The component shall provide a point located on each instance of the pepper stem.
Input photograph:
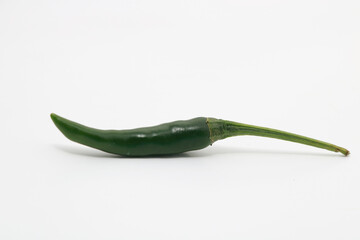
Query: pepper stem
(220, 129)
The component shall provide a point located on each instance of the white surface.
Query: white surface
(291, 65)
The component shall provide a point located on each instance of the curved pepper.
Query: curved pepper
(174, 137)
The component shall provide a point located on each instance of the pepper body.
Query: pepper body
(168, 138)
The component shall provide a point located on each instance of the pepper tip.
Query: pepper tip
(54, 117)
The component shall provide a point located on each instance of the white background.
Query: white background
(291, 65)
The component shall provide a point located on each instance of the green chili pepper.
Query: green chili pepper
(174, 137)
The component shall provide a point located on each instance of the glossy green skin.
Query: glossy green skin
(168, 138)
